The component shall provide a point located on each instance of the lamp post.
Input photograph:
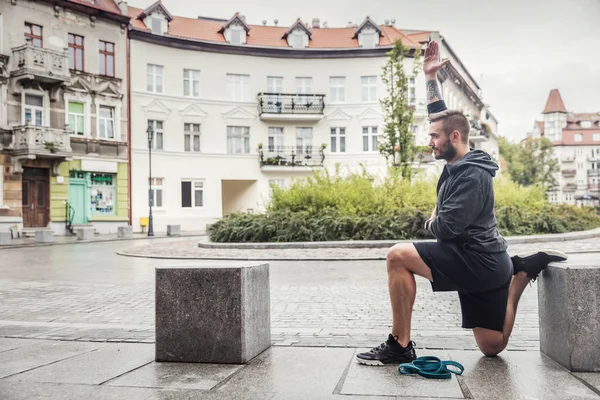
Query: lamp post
(150, 134)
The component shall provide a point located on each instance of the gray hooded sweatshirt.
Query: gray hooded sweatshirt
(465, 205)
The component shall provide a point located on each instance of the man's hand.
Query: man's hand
(431, 62)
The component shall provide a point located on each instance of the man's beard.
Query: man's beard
(446, 152)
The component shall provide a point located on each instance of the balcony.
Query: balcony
(290, 107)
(593, 158)
(567, 159)
(296, 158)
(477, 136)
(593, 172)
(570, 187)
(32, 141)
(569, 172)
(43, 65)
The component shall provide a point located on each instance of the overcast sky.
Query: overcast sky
(517, 50)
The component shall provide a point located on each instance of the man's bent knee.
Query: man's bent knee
(397, 256)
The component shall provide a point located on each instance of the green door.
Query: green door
(77, 200)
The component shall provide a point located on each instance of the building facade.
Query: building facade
(63, 91)
(236, 108)
(576, 146)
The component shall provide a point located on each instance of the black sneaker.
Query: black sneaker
(388, 352)
(536, 262)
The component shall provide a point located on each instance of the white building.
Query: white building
(576, 145)
(238, 107)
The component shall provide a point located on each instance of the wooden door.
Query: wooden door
(35, 197)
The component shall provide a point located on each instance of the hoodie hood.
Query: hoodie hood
(477, 158)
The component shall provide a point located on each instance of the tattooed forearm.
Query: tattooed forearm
(433, 92)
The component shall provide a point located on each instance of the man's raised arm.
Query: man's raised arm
(431, 65)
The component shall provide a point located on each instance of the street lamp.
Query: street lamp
(150, 134)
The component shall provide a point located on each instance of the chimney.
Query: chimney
(264, 22)
(325, 24)
(275, 21)
(316, 23)
(387, 21)
(123, 6)
(393, 21)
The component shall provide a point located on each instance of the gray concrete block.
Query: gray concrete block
(217, 314)
(125, 232)
(5, 238)
(569, 313)
(44, 236)
(173, 230)
(86, 233)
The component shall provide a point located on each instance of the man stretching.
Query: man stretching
(469, 256)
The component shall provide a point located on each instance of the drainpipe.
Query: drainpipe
(128, 129)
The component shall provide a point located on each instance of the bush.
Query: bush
(360, 206)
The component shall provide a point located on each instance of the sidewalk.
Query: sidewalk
(32, 369)
(72, 239)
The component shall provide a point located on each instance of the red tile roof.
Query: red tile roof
(103, 5)
(272, 36)
(554, 103)
(568, 138)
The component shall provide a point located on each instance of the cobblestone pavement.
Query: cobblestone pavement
(87, 292)
(188, 249)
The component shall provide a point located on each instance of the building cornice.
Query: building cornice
(91, 11)
(258, 51)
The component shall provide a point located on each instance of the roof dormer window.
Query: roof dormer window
(235, 30)
(156, 18)
(298, 35)
(157, 24)
(586, 124)
(368, 34)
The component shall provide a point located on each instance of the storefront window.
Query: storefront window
(102, 193)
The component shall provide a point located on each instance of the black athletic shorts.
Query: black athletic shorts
(481, 280)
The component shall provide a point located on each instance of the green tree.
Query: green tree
(397, 142)
(530, 162)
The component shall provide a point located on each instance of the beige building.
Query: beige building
(63, 90)
(576, 145)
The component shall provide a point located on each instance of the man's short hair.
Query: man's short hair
(453, 120)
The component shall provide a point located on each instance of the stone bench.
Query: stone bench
(84, 233)
(5, 238)
(215, 315)
(173, 230)
(125, 232)
(44, 236)
(569, 312)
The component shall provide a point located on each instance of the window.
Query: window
(338, 140)
(579, 137)
(156, 192)
(274, 84)
(106, 123)
(33, 34)
(368, 39)
(369, 88)
(191, 137)
(238, 139)
(102, 193)
(157, 25)
(370, 138)
(304, 140)
(303, 86)
(34, 110)
(192, 194)
(411, 91)
(157, 127)
(238, 87)
(275, 140)
(107, 58)
(77, 118)
(75, 52)
(154, 78)
(235, 36)
(596, 137)
(337, 87)
(296, 39)
(191, 82)
(586, 124)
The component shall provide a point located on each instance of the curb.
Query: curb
(376, 244)
(61, 243)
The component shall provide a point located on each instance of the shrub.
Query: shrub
(360, 206)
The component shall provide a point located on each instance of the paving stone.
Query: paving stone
(32, 390)
(591, 378)
(10, 344)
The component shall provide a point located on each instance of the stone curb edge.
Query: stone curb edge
(374, 244)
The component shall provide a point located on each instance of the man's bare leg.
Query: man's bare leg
(403, 261)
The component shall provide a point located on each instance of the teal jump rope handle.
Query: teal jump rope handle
(432, 368)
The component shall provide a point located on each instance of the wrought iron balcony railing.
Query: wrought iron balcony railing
(295, 156)
(569, 172)
(299, 104)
